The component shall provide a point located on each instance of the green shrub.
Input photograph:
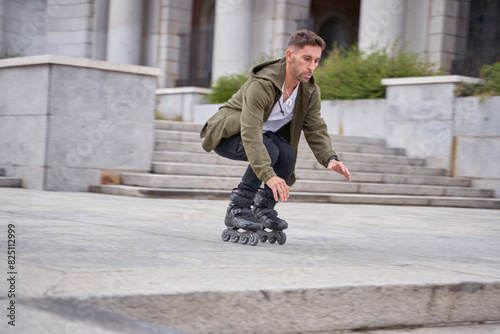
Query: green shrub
(9, 55)
(346, 74)
(491, 76)
(354, 74)
(225, 86)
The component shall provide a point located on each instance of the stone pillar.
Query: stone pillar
(477, 141)
(381, 22)
(68, 123)
(151, 33)
(420, 116)
(448, 30)
(69, 31)
(232, 37)
(100, 33)
(2, 50)
(289, 16)
(125, 31)
(175, 36)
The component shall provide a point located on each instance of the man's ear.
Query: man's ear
(288, 55)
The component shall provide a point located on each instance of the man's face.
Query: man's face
(304, 61)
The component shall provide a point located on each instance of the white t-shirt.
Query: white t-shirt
(282, 112)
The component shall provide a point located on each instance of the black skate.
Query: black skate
(239, 217)
(264, 212)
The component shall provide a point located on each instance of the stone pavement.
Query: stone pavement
(93, 263)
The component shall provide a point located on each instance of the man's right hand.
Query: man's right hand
(279, 187)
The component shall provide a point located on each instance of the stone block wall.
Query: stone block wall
(477, 141)
(420, 117)
(178, 103)
(41, 27)
(66, 123)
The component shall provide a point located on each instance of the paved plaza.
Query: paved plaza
(93, 263)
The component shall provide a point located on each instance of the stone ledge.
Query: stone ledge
(79, 62)
(438, 79)
(309, 309)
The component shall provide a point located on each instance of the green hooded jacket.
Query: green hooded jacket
(251, 106)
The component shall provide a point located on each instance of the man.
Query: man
(262, 124)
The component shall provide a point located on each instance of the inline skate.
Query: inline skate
(239, 217)
(265, 214)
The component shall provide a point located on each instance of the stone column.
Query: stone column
(151, 33)
(290, 16)
(100, 34)
(125, 31)
(448, 30)
(174, 39)
(232, 37)
(2, 51)
(381, 22)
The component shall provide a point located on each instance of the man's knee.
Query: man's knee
(274, 153)
(287, 154)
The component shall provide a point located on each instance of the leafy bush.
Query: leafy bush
(347, 74)
(491, 76)
(9, 55)
(225, 86)
(354, 74)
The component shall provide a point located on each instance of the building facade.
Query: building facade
(196, 41)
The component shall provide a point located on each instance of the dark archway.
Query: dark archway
(336, 22)
(202, 43)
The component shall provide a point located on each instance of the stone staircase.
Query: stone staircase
(9, 182)
(380, 174)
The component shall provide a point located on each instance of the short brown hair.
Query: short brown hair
(305, 37)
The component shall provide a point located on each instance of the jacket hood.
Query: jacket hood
(274, 71)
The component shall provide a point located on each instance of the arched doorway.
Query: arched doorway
(336, 22)
(202, 43)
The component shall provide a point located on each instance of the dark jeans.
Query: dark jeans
(279, 150)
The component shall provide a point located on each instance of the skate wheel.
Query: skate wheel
(254, 239)
(272, 240)
(235, 238)
(224, 236)
(263, 238)
(244, 240)
(281, 238)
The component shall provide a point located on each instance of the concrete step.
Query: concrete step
(346, 157)
(308, 174)
(10, 182)
(468, 328)
(227, 183)
(194, 136)
(373, 159)
(178, 126)
(377, 199)
(184, 146)
(369, 167)
(381, 175)
(358, 148)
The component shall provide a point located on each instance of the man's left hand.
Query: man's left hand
(339, 168)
